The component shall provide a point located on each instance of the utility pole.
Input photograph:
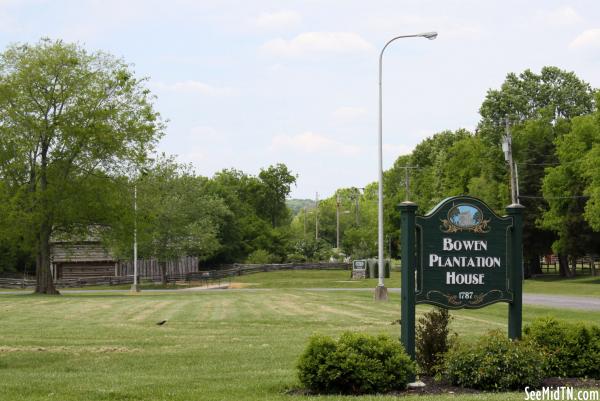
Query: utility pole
(356, 196)
(508, 157)
(356, 209)
(337, 221)
(317, 216)
(517, 181)
(304, 221)
(407, 181)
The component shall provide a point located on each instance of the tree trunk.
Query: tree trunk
(535, 266)
(563, 266)
(163, 272)
(44, 280)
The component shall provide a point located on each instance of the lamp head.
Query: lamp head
(429, 35)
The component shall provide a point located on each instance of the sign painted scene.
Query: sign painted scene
(462, 255)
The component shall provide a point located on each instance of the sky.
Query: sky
(247, 84)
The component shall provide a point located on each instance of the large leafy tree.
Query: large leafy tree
(555, 92)
(567, 187)
(70, 120)
(276, 186)
(538, 108)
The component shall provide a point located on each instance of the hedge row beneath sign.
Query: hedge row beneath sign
(494, 363)
(570, 349)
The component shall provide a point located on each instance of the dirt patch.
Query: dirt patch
(243, 285)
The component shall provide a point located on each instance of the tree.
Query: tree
(429, 185)
(526, 96)
(69, 121)
(276, 186)
(259, 218)
(539, 108)
(566, 188)
(591, 172)
(240, 192)
(175, 215)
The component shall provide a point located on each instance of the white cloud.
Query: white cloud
(194, 87)
(309, 142)
(278, 20)
(588, 38)
(412, 23)
(565, 15)
(349, 114)
(396, 150)
(317, 42)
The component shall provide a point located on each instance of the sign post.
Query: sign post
(407, 305)
(463, 256)
(515, 308)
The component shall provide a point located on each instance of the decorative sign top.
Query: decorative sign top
(462, 255)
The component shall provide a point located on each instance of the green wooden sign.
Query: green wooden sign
(460, 255)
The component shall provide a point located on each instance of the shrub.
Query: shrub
(260, 256)
(295, 258)
(355, 364)
(495, 363)
(571, 349)
(432, 340)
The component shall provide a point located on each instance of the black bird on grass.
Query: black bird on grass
(161, 322)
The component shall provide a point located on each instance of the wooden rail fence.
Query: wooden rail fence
(204, 277)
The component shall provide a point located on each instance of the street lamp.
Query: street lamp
(135, 286)
(380, 290)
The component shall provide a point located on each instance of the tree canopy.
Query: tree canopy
(78, 134)
(69, 121)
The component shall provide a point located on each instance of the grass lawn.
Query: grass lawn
(310, 279)
(216, 345)
(578, 286)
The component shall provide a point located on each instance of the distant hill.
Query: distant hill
(296, 205)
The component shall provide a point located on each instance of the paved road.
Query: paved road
(554, 301)
(562, 301)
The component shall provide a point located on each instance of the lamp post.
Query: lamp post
(135, 286)
(380, 290)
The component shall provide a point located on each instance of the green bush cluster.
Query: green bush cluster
(495, 363)
(570, 349)
(354, 364)
(432, 339)
(261, 256)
